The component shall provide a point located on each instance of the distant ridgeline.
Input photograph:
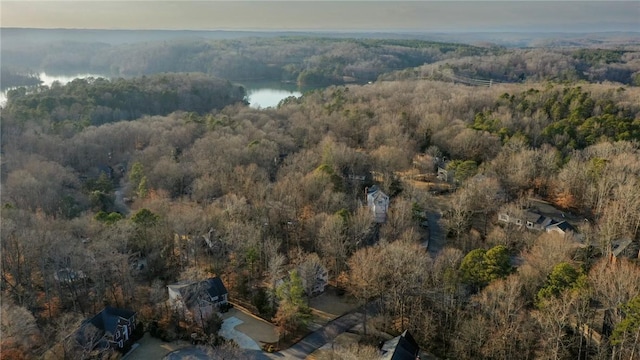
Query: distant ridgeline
(313, 61)
(537, 64)
(90, 101)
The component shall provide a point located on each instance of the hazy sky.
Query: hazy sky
(568, 16)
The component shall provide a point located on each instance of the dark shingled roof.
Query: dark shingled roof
(216, 287)
(107, 319)
(191, 292)
(91, 332)
(403, 347)
(373, 189)
(564, 226)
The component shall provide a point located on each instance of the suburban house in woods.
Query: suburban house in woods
(378, 202)
(561, 227)
(446, 175)
(68, 275)
(111, 327)
(403, 347)
(199, 298)
(537, 222)
(320, 280)
(624, 248)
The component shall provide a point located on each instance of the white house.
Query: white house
(378, 202)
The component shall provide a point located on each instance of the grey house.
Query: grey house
(537, 222)
(200, 299)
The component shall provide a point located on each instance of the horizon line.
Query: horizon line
(348, 30)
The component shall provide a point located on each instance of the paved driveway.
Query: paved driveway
(190, 353)
(437, 238)
(195, 353)
(229, 332)
(316, 339)
(152, 348)
(300, 350)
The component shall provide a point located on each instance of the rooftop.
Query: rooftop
(403, 347)
(107, 319)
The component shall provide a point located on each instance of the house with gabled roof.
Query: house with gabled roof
(378, 203)
(68, 275)
(110, 328)
(403, 347)
(561, 227)
(624, 247)
(200, 299)
(535, 221)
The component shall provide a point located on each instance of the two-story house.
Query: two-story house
(111, 327)
(199, 299)
(378, 203)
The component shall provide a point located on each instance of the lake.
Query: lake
(265, 94)
(261, 95)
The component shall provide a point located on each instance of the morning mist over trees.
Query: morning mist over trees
(426, 179)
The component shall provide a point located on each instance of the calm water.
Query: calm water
(259, 94)
(263, 95)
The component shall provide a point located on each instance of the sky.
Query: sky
(363, 15)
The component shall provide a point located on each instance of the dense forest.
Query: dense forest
(327, 61)
(97, 172)
(538, 64)
(316, 61)
(85, 102)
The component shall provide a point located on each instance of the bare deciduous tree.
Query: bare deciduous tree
(554, 318)
(20, 333)
(365, 276)
(333, 243)
(313, 274)
(547, 251)
(275, 267)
